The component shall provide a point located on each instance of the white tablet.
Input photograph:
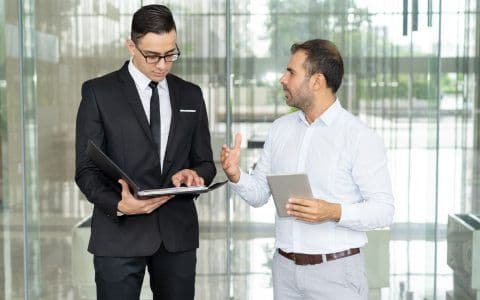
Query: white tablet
(287, 186)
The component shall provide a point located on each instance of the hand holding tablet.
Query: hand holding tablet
(284, 187)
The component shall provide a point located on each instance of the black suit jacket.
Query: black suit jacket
(111, 114)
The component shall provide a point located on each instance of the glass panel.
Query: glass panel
(201, 37)
(65, 43)
(12, 277)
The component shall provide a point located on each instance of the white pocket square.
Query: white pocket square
(188, 110)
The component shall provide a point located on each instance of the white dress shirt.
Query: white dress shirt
(145, 93)
(345, 162)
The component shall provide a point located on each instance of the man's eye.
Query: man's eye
(152, 56)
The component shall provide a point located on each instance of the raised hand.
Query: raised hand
(230, 159)
(130, 205)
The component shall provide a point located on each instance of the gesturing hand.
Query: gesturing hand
(230, 159)
(130, 205)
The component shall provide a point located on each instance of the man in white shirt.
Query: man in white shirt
(318, 248)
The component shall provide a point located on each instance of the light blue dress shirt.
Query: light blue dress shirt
(345, 162)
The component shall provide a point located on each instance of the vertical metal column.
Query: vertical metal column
(437, 147)
(476, 118)
(26, 286)
(228, 135)
(29, 147)
(4, 180)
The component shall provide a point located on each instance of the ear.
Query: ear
(130, 47)
(318, 81)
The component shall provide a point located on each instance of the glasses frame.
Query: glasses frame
(158, 58)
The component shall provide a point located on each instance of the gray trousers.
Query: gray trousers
(344, 278)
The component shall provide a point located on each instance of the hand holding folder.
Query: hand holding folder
(113, 171)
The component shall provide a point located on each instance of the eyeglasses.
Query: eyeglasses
(154, 59)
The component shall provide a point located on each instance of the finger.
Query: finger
(301, 216)
(202, 182)
(125, 189)
(158, 199)
(198, 181)
(189, 179)
(298, 208)
(238, 141)
(299, 201)
(150, 208)
(164, 200)
(155, 203)
(176, 181)
(167, 197)
(152, 201)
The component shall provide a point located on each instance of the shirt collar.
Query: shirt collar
(332, 113)
(141, 80)
(328, 116)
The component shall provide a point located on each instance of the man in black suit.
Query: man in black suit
(154, 126)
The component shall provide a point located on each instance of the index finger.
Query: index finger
(299, 201)
(158, 199)
(238, 141)
(190, 178)
(198, 181)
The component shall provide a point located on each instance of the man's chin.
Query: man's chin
(291, 104)
(158, 77)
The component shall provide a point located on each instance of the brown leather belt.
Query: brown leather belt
(313, 259)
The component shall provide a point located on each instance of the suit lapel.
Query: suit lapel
(172, 142)
(133, 99)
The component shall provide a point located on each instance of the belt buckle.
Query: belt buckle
(324, 258)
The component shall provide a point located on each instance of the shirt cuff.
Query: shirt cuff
(348, 216)
(119, 213)
(241, 179)
(241, 184)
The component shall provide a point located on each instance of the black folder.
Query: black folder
(112, 170)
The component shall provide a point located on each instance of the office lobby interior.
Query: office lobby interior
(412, 73)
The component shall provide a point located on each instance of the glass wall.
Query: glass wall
(411, 74)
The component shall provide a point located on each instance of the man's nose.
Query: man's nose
(161, 63)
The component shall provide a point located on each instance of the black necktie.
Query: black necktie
(155, 114)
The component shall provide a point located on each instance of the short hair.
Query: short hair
(322, 57)
(151, 18)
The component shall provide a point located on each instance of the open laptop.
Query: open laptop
(112, 170)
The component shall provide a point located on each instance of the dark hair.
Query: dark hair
(322, 57)
(151, 18)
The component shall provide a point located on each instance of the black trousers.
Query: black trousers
(172, 275)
